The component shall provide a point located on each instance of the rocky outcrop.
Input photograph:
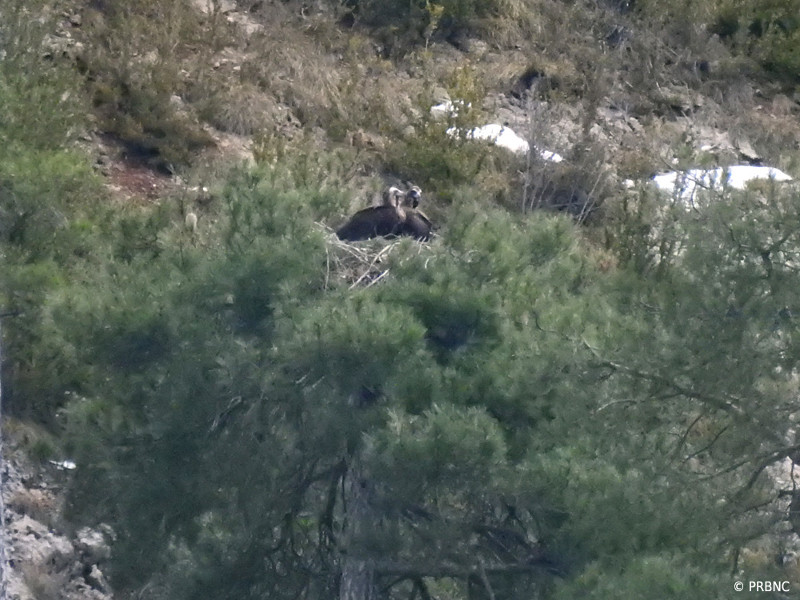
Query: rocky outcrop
(44, 563)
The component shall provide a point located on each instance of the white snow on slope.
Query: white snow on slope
(685, 184)
(448, 108)
(505, 137)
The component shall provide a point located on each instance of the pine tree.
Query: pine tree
(498, 418)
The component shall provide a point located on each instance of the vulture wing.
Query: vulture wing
(417, 225)
(370, 223)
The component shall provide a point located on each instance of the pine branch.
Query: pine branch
(719, 403)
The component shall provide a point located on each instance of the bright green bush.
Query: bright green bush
(47, 193)
(40, 192)
(433, 156)
(41, 100)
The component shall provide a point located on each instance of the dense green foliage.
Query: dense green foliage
(506, 412)
(46, 193)
(517, 419)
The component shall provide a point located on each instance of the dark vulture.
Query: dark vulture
(397, 216)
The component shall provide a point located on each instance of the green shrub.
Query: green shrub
(40, 192)
(421, 14)
(439, 156)
(137, 110)
(647, 577)
(41, 100)
(434, 157)
(767, 31)
(776, 41)
(47, 192)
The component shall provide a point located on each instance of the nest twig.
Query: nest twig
(360, 264)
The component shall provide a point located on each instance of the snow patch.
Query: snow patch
(448, 108)
(500, 135)
(685, 184)
(64, 465)
(505, 137)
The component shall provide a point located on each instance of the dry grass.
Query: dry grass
(38, 504)
(328, 80)
(296, 71)
(35, 441)
(241, 110)
(301, 73)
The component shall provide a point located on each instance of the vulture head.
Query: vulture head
(412, 197)
(393, 197)
(416, 223)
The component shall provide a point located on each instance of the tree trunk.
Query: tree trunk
(357, 580)
(358, 573)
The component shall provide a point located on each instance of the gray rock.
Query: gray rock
(81, 590)
(440, 95)
(92, 546)
(97, 580)
(746, 151)
(208, 6)
(35, 544)
(42, 563)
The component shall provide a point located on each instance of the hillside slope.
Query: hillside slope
(579, 388)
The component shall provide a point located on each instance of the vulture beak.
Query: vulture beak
(414, 195)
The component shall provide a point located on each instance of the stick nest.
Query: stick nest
(362, 264)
